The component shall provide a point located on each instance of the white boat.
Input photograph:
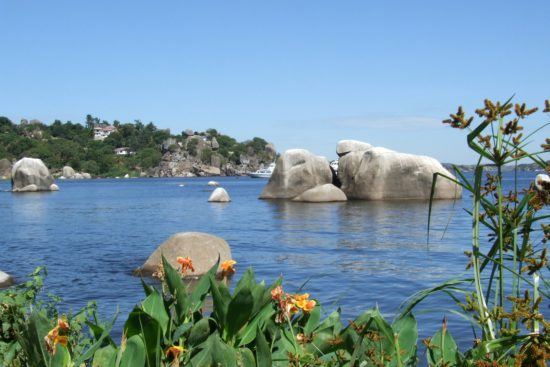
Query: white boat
(264, 172)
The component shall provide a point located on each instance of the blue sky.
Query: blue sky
(298, 73)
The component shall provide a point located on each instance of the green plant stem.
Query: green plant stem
(475, 254)
(536, 279)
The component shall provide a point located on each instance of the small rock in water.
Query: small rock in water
(219, 195)
(322, 194)
(54, 187)
(202, 249)
(213, 183)
(5, 280)
(542, 182)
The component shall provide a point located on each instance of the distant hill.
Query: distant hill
(524, 167)
(110, 149)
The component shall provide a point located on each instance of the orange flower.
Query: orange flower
(62, 339)
(310, 305)
(228, 267)
(174, 351)
(63, 324)
(303, 302)
(53, 338)
(276, 293)
(186, 264)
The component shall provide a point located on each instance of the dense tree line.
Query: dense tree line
(73, 144)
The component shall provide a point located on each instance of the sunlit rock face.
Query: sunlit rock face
(30, 174)
(296, 171)
(383, 174)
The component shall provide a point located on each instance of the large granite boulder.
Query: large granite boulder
(5, 280)
(30, 171)
(380, 174)
(86, 175)
(322, 194)
(347, 146)
(5, 168)
(203, 249)
(219, 195)
(68, 172)
(296, 171)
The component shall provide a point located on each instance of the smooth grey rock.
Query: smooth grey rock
(216, 160)
(213, 183)
(322, 194)
(5, 168)
(5, 280)
(347, 146)
(30, 171)
(219, 195)
(296, 171)
(68, 172)
(211, 171)
(215, 144)
(86, 175)
(54, 187)
(382, 174)
(202, 248)
(29, 188)
(542, 182)
(78, 176)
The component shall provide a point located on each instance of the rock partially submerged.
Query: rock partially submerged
(5, 168)
(213, 183)
(296, 171)
(382, 174)
(202, 248)
(219, 195)
(322, 194)
(347, 146)
(542, 182)
(68, 172)
(5, 280)
(30, 174)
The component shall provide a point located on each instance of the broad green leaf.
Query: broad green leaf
(248, 334)
(140, 323)
(221, 301)
(407, 330)
(134, 354)
(263, 351)
(313, 320)
(176, 288)
(239, 310)
(444, 350)
(222, 353)
(153, 305)
(105, 357)
(32, 339)
(246, 358)
(61, 358)
(199, 332)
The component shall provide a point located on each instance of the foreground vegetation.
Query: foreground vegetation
(73, 144)
(260, 325)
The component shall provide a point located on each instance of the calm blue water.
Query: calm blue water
(357, 255)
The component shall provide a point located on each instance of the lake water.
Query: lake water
(356, 255)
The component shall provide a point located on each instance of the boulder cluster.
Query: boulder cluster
(69, 173)
(364, 172)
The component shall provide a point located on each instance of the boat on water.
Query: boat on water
(264, 172)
